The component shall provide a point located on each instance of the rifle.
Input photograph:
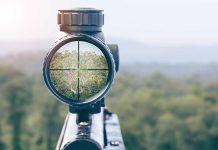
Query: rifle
(79, 70)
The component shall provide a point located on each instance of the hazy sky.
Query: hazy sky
(148, 21)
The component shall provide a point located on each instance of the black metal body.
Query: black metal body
(102, 134)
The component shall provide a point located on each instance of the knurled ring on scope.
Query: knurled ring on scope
(77, 38)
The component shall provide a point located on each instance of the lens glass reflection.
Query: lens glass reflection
(79, 71)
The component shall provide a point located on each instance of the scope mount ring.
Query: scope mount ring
(110, 62)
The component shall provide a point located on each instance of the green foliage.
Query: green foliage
(65, 82)
(82, 77)
(156, 112)
(162, 113)
(64, 60)
(26, 112)
(91, 60)
(91, 83)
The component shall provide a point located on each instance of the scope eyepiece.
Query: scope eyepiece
(79, 69)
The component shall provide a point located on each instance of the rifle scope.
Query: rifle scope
(79, 70)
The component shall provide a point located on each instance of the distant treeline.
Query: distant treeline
(32, 62)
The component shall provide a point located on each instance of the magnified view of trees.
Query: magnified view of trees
(65, 59)
(65, 82)
(91, 82)
(91, 60)
(78, 76)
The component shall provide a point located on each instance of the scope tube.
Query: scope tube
(82, 135)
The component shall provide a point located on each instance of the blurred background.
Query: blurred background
(165, 94)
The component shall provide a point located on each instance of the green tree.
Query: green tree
(18, 95)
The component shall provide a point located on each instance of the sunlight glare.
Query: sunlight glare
(10, 15)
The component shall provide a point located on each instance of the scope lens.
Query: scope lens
(79, 71)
